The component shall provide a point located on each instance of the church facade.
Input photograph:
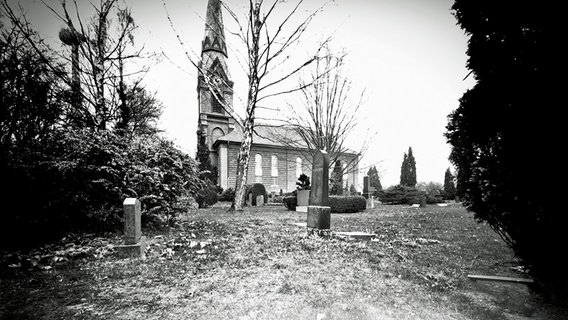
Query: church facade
(272, 162)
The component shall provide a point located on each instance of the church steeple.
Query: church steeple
(213, 121)
(214, 34)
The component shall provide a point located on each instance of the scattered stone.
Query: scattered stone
(355, 235)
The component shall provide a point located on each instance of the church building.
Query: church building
(273, 163)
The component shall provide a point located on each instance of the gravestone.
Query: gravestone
(259, 200)
(366, 186)
(319, 211)
(134, 243)
(303, 200)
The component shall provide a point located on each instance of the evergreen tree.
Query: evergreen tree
(404, 171)
(207, 172)
(374, 179)
(449, 186)
(505, 131)
(336, 179)
(412, 168)
(408, 170)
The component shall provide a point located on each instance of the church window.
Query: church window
(216, 134)
(274, 166)
(298, 167)
(215, 105)
(258, 168)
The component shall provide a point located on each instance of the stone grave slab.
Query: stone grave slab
(355, 235)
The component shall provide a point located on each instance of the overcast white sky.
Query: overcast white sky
(408, 56)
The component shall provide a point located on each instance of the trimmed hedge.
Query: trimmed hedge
(338, 204)
(347, 204)
(290, 202)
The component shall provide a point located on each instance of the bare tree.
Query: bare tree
(266, 47)
(98, 56)
(328, 115)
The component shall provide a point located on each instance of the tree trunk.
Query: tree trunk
(248, 127)
(242, 166)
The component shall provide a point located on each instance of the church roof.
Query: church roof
(265, 134)
(269, 135)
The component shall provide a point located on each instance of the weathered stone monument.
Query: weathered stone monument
(319, 211)
(260, 200)
(134, 243)
(368, 192)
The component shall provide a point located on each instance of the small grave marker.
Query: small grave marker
(134, 243)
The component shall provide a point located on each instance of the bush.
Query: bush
(290, 202)
(347, 204)
(207, 194)
(227, 195)
(78, 179)
(257, 189)
(400, 194)
(303, 182)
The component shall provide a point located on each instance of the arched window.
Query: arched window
(216, 134)
(298, 167)
(215, 105)
(274, 166)
(258, 168)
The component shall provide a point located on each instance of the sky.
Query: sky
(407, 56)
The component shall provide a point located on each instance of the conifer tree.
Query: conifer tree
(202, 155)
(336, 179)
(408, 170)
(449, 186)
(374, 179)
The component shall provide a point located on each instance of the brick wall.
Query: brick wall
(287, 177)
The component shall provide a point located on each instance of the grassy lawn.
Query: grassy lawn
(257, 265)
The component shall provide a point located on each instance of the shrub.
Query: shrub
(227, 195)
(290, 202)
(78, 180)
(347, 204)
(207, 194)
(303, 182)
(400, 194)
(257, 189)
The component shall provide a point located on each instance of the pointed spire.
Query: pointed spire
(214, 30)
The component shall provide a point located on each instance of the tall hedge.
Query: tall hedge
(507, 129)
(78, 179)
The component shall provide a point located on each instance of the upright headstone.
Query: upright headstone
(260, 200)
(319, 211)
(366, 186)
(134, 243)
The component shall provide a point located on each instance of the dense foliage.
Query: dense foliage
(374, 180)
(400, 194)
(408, 169)
(78, 179)
(505, 132)
(257, 189)
(347, 204)
(336, 179)
(449, 186)
(303, 182)
(62, 173)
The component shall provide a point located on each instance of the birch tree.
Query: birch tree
(269, 42)
(100, 49)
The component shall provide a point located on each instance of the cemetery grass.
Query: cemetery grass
(257, 265)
